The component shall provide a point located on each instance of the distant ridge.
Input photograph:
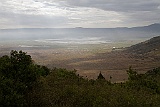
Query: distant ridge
(111, 34)
(152, 27)
(148, 46)
(155, 26)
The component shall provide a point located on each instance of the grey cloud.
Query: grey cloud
(73, 13)
(37, 21)
(152, 17)
(118, 5)
(137, 12)
(22, 20)
(112, 5)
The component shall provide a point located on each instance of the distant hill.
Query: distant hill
(152, 27)
(112, 34)
(148, 46)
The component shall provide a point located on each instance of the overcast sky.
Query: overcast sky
(78, 13)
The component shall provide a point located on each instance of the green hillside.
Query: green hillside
(25, 84)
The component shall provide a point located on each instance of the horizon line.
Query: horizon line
(76, 27)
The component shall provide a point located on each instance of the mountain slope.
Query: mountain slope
(145, 47)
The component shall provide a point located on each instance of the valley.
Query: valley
(88, 50)
(87, 59)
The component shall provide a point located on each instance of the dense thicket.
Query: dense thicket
(18, 75)
(64, 88)
(24, 83)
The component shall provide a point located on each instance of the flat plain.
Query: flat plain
(87, 59)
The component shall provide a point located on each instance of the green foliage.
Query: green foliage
(42, 70)
(100, 76)
(23, 83)
(63, 88)
(18, 74)
(154, 72)
(148, 81)
(132, 74)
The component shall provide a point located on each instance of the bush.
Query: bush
(18, 74)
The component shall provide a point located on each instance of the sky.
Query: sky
(78, 13)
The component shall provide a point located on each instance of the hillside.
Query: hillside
(146, 47)
(25, 84)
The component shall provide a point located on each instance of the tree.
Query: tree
(100, 76)
(18, 74)
(132, 74)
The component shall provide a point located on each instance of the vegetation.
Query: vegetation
(23, 83)
(100, 76)
(18, 75)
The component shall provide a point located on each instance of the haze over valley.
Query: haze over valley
(82, 49)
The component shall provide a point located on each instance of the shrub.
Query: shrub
(18, 74)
